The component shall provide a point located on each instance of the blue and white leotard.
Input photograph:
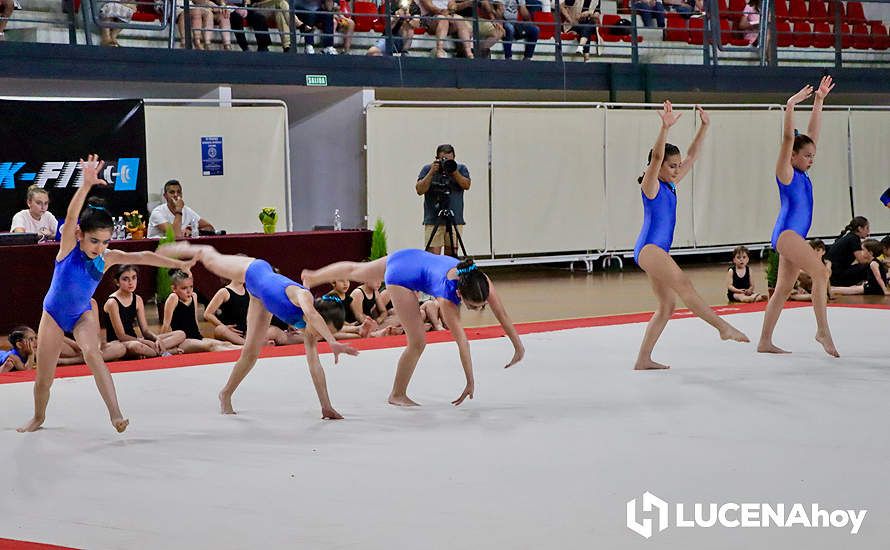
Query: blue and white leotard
(796, 212)
(75, 279)
(419, 270)
(659, 219)
(271, 289)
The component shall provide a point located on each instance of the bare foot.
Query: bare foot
(402, 401)
(225, 404)
(367, 326)
(735, 334)
(328, 413)
(32, 426)
(438, 327)
(827, 344)
(649, 364)
(397, 331)
(307, 277)
(769, 347)
(120, 424)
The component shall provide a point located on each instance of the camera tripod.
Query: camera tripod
(446, 217)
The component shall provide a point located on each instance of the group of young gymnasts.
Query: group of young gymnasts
(84, 256)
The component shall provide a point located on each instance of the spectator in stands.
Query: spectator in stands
(433, 181)
(439, 19)
(845, 269)
(517, 25)
(174, 213)
(114, 12)
(651, 11)
(686, 8)
(750, 22)
(37, 218)
(310, 11)
(21, 355)
(255, 19)
(404, 20)
(490, 31)
(343, 23)
(201, 22)
(6, 9)
(222, 17)
(580, 19)
(279, 10)
(181, 313)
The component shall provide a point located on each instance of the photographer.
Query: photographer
(443, 184)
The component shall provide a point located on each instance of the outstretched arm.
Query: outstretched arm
(695, 146)
(784, 171)
(500, 313)
(815, 125)
(650, 178)
(314, 319)
(318, 379)
(451, 315)
(90, 170)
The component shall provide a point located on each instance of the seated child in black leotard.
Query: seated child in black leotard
(877, 282)
(181, 313)
(124, 309)
(352, 328)
(739, 287)
(227, 312)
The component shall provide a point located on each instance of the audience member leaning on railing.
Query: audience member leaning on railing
(439, 19)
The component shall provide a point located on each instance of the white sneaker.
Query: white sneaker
(579, 50)
(310, 49)
(16, 5)
(329, 51)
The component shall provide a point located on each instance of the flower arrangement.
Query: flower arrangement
(269, 218)
(135, 224)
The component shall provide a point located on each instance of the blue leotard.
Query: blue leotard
(659, 219)
(271, 289)
(75, 279)
(4, 355)
(419, 270)
(796, 212)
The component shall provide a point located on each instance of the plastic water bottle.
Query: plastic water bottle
(338, 220)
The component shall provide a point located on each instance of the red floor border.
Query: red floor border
(479, 333)
(10, 544)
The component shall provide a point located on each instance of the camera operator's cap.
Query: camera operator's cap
(885, 198)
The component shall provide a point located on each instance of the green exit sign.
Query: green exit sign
(316, 80)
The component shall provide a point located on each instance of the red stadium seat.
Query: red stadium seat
(781, 9)
(846, 36)
(855, 14)
(835, 6)
(607, 28)
(861, 38)
(737, 36)
(818, 11)
(735, 9)
(797, 10)
(879, 38)
(822, 35)
(783, 34)
(725, 32)
(802, 35)
(544, 21)
(723, 9)
(365, 15)
(676, 29)
(696, 31)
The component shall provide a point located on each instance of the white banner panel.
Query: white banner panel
(400, 141)
(547, 195)
(736, 199)
(830, 173)
(253, 151)
(870, 134)
(630, 134)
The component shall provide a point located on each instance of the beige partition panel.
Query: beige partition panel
(400, 141)
(254, 174)
(870, 134)
(736, 199)
(830, 173)
(547, 195)
(630, 134)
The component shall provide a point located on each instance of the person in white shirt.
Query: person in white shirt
(37, 218)
(174, 213)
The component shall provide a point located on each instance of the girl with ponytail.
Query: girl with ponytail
(452, 283)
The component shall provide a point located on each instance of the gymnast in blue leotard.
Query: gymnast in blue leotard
(273, 294)
(82, 259)
(451, 282)
(22, 341)
(796, 156)
(658, 188)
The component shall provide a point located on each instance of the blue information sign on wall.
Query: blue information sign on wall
(212, 156)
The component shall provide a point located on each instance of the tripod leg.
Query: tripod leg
(433, 234)
(460, 241)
